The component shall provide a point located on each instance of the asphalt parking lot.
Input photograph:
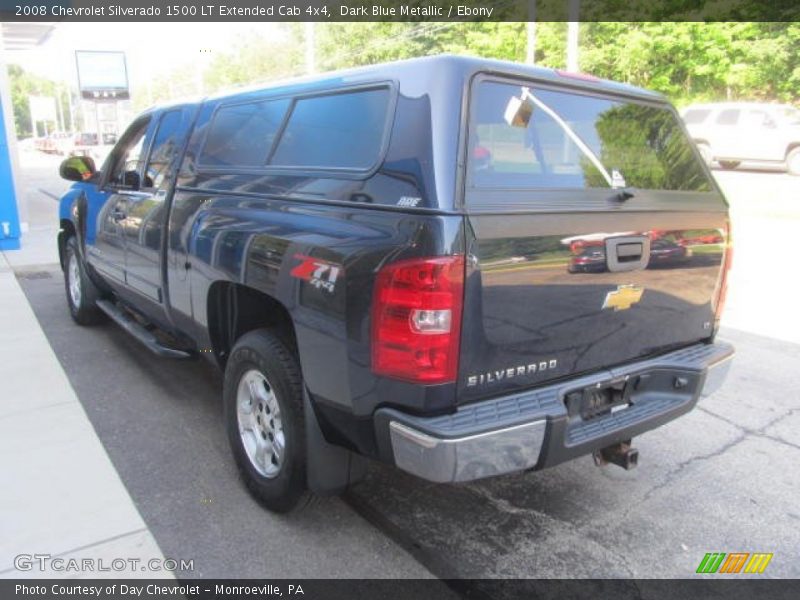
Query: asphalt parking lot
(721, 479)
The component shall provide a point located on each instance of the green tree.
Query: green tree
(23, 85)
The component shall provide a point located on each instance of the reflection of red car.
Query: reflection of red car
(482, 157)
(578, 245)
(712, 238)
(665, 252)
(591, 260)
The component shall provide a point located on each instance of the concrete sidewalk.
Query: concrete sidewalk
(61, 495)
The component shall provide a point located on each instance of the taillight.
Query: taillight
(416, 319)
(726, 267)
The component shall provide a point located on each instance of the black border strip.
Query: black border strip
(388, 10)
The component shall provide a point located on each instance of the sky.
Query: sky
(151, 48)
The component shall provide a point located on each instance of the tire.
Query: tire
(793, 161)
(82, 293)
(729, 165)
(706, 153)
(262, 381)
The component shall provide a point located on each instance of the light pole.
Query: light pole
(530, 50)
(572, 36)
(311, 65)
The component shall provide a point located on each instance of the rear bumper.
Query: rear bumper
(533, 429)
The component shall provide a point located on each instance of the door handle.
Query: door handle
(627, 253)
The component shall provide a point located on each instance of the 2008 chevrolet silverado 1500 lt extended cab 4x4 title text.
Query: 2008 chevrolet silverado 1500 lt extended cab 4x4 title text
(461, 267)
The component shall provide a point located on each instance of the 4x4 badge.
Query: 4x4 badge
(319, 273)
(623, 297)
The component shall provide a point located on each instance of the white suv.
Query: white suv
(734, 132)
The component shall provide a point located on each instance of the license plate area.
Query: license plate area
(599, 400)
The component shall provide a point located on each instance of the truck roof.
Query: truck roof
(415, 68)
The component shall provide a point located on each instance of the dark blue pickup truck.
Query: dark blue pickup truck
(461, 267)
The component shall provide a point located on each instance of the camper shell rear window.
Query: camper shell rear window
(563, 139)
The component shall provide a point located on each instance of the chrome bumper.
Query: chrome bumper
(506, 435)
(716, 373)
(467, 458)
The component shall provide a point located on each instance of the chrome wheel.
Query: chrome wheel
(74, 280)
(260, 425)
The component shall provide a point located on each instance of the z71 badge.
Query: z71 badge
(319, 273)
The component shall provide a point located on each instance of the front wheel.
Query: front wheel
(793, 161)
(264, 419)
(82, 293)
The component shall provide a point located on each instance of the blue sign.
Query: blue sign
(9, 217)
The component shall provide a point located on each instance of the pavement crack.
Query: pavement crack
(760, 431)
(675, 472)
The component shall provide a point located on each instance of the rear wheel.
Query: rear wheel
(793, 161)
(82, 293)
(264, 419)
(729, 164)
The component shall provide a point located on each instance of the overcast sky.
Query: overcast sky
(150, 48)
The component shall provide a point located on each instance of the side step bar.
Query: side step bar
(144, 336)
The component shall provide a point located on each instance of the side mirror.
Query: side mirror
(77, 168)
(131, 180)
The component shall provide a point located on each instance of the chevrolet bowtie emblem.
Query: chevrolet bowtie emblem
(623, 297)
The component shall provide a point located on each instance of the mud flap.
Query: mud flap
(329, 468)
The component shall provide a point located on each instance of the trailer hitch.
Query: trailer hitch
(621, 454)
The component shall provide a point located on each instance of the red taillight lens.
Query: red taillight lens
(416, 319)
(723, 286)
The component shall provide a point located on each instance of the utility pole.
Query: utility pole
(71, 105)
(530, 49)
(311, 65)
(572, 36)
(59, 111)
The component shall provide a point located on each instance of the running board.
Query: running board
(140, 333)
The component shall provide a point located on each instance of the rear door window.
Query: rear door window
(696, 116)
(569, 140)
(729, 116)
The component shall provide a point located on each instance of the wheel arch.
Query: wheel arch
(67, 230)
(234, 309)
(72, 222)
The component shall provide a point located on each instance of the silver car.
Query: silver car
(730, 133)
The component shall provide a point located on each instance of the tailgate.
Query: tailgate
(587, 248)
